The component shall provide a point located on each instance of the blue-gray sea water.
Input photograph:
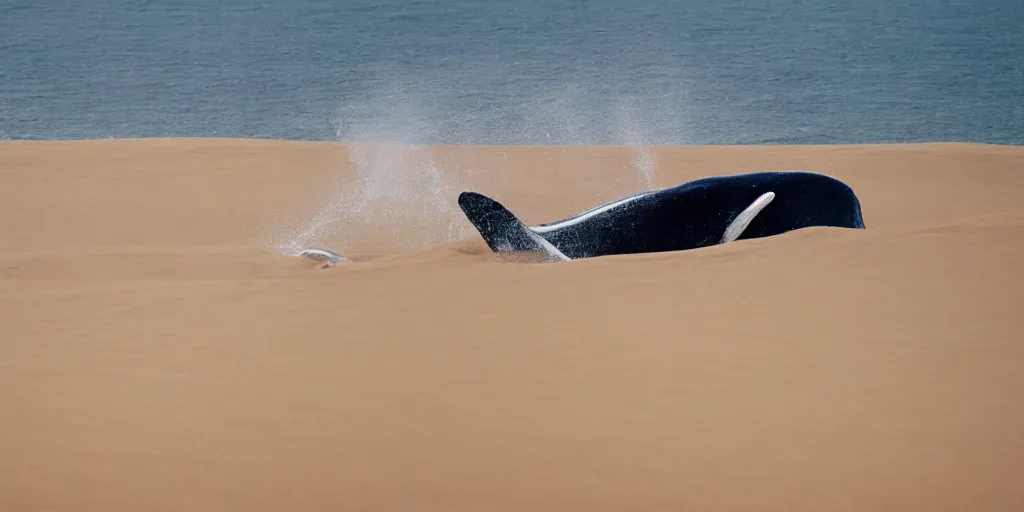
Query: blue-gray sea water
(516, 72)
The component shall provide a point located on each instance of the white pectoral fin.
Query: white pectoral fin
(738, 225)
(328, 258)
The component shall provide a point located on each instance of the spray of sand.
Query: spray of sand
(406, 200)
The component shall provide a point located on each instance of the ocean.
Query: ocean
(518, 72)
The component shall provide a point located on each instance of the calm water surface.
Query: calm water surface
(522, 72)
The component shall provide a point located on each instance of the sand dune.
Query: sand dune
(161, 352)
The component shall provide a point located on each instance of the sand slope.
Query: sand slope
(159, 354)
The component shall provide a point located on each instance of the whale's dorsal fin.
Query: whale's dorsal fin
(740, 223)
(502, 230)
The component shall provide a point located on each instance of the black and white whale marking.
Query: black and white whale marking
(698, 213)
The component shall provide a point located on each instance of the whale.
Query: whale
(695, 214)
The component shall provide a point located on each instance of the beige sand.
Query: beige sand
(157, 353)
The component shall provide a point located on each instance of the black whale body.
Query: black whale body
(688, 216)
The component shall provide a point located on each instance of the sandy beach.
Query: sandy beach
(161, 350)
